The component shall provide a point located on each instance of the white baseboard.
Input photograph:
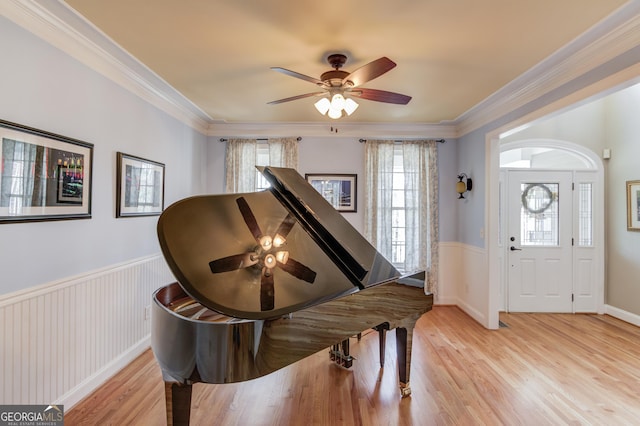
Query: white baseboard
(472, 312)
(623, 315)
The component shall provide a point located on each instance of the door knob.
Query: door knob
(514, 248)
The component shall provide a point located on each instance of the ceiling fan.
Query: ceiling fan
(338, 84)
(265, 256)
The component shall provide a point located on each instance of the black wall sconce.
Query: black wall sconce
(464, 184)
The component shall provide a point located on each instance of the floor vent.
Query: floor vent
(502, 325)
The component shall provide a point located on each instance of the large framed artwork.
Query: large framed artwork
(338, 189)
(139, 186)
(43, 176)
(633, 205)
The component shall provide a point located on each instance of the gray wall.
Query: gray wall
(623, 247)
(42, 87)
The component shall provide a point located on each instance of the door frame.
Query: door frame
(497, 256)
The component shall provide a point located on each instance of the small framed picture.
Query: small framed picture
(139, 186)
(43, 176)
(338, 189)
(633, 205)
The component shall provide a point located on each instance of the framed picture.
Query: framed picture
(139, 186)
(633, 205)
(338, 190)
(43, 176)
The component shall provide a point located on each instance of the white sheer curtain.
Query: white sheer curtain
(378, 183)
(420, 172)
(283, 152)
(241, 161)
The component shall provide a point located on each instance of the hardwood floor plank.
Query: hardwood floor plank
(542, 369)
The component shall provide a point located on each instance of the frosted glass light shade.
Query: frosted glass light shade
(335, 113)
(323, 105)
(350, 105)
(337, 102)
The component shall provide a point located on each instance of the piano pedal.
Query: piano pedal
(339, 354)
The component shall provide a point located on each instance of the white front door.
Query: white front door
(539, 241)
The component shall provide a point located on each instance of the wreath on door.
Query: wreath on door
(547, 199)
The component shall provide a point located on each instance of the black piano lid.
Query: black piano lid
(358, 259)
(207, 242)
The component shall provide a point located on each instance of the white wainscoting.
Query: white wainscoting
(449, 271)
(463, 279)
(62, 340)
(473, 288)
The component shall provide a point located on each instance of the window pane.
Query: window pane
(397, 218)
(398, 181)
(539, 218)
(397, 198)
(585, 214)
(262, 159)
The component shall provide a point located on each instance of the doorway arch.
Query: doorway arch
(542, 153)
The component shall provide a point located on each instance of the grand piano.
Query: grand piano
(268, 278)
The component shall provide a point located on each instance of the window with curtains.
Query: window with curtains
(401, 218)
(243, 155)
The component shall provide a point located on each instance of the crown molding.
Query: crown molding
(58, 24)
(337, 129)
(610, 38)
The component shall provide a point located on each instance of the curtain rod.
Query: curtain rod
(299, 138)
(400, 140)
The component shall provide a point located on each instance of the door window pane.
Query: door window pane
(539, 218)
(585, 215)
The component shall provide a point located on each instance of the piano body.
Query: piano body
(266, 279)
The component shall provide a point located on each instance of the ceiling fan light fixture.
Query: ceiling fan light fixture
(337, 102)
(334, 113)
(323, 105)
(350, 106)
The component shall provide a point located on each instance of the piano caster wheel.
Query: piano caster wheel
(405, 390)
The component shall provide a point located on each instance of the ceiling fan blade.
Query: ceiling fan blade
(380, 96)
(369, 71)
(286, 226)
(231, 263)
(298, 75)
(249, 218)
(293, 98)
(266, 291)
(298, 270)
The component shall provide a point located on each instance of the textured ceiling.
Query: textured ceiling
(450, 54)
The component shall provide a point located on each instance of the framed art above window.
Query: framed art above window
(44, 176)
(139, 186)
(338, 189)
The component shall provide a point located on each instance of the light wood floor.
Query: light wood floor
(543, 369)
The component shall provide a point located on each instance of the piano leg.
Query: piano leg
(382, 336)
(178, 402)
(403, 350)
